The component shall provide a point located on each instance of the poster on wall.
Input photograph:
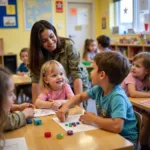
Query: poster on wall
(8, 14)
(103, 22)
(59, 6)
(82, 16)
(35, 10)
(3, 2)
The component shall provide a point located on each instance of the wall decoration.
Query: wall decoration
(73, 11)
(59, 6)
(8, 14)
(103, 22)
(35, 10)
(115, 30)
(82, 16)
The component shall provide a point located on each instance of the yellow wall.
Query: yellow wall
(15, 39)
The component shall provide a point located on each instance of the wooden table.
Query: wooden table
(136, 102)
(21, 80)
(90, 140)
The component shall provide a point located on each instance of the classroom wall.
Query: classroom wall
(15, 39)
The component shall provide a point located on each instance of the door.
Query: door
(79, 23)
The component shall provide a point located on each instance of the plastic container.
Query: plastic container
(86, 63)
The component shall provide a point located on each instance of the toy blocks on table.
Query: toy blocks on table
(47, 134)
(37, 121)
(29, 121)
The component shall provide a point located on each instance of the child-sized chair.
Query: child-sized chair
(139, 125)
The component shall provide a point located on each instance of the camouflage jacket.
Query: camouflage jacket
(69, 57)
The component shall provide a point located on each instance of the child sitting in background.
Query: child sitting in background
(54, 87)
(23, 70)
(90, 50)
(115, 112)
(103, 43)
(12, 120)
(134, 84)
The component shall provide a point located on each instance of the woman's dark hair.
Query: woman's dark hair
(36, 58)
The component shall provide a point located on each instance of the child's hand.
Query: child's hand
(87, 118)
(28, 112)
(55, 104)
(62, 113)
(25, 105)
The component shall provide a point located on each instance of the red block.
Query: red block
(47, 134)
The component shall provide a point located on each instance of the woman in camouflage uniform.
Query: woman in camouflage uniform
(45, 45)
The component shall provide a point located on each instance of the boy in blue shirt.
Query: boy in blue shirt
(115, 112)
(22, 69)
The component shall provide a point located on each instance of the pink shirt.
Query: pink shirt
(139, 85)
(63, 94)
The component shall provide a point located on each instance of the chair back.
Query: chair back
(139, 125)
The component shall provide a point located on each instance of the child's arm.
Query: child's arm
(21, 107)
(113, 125)
(40, 103)
(18, 119)
(75, 100)
(134, 93)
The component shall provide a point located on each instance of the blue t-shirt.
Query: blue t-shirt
(22, 68)
(116, 105)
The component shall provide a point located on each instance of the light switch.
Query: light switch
(59, 26)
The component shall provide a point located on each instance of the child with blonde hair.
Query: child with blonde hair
(134, 84)
(54, 88)
(90, 50)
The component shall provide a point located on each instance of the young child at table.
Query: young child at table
(54, 88)
(103, 43)
(14, 120)
(90, 50)
(134, 83)
(23, 70)
(115, 112)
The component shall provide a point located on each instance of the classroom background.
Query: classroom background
(14, 39)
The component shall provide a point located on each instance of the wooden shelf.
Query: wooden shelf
(130, 50)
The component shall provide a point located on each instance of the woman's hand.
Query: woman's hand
(87, 118)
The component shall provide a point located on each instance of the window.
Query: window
(132, 14)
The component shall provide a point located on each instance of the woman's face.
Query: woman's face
(49, 40)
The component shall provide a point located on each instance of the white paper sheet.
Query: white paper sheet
(43, 112)
(15, 144)
(82, 16)
(74, 118)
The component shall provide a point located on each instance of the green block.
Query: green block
(59, 136)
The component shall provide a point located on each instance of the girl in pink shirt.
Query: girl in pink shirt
(133, 84)
(54, 88)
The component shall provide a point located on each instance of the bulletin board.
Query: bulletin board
(8, 14)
